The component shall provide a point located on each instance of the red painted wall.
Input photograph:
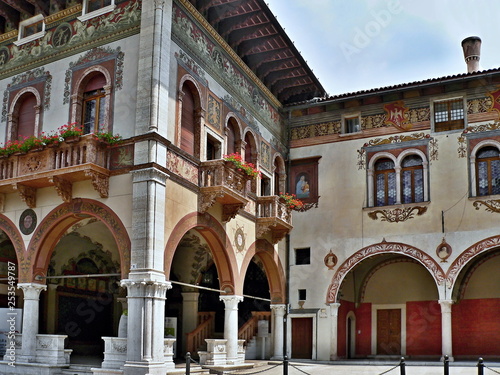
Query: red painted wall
(423, 328)
(364, 324)
(344, 309)
(476, 327)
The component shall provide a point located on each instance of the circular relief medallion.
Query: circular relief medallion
(330, 260)
(27, 221)
(239, 239)
(62, 35)
(443, 251)
(4, 56)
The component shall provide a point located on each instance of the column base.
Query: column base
(144, 368)
(450, 359)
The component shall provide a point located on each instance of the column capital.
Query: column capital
(149, 174)
(278, 309)
(231, 301)
(334, 309)
(32, 290)
(146, 288)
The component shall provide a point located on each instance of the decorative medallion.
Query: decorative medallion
(239, 239)
(330, 260)
(62, 35)
(27, 222)
(397, 116)
(443, 251)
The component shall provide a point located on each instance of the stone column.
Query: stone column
(30, 319)
(146, 325)
(334, 313)
(446, 327)
(231, 326)
(189, 314)
(278, 330)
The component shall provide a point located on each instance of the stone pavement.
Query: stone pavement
(368, 368)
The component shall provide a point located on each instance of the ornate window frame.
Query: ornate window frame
(12, 117)
(472, 163)
(88, 15)
(397, 166)
(446, 98)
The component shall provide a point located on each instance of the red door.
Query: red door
(302, 337)
(389, 332)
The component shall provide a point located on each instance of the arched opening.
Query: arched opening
(392, 302)
(251, 157)
(83, 307)
(233, 140)
(475, 318)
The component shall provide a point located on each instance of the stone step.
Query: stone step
(194, 369)
(78, 370)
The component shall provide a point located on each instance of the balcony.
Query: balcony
(273, 217)
(221, 182)
(84, 158)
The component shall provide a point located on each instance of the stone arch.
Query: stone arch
(383, 248)
(467, 255)
(220, 246)
(15, 236)
(264, 251)
(58, 221)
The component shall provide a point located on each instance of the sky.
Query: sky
(354, 45)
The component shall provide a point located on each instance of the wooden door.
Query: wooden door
(302, 335)
(389, 332)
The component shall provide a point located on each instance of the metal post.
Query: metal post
(285, 365)
(402, 366)
(446, 365)
(480, 367)
(188, 363)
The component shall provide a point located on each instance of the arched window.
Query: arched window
(188, 121)
(232, 134)
(251, 157)
(385, 182)
(488, 171)
(412, 179)
(94, 104)
(26, 117)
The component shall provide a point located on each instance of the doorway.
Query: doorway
(389, 332)
(302, 338)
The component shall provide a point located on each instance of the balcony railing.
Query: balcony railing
(221, 182)
(273, 217)
(60, 166)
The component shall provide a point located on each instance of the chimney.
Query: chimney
(472, 52)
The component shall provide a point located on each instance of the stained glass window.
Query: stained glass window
(385, 183)
(412, 179)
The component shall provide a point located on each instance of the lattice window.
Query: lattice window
(448, 115)
(412, 179)
(488, 171)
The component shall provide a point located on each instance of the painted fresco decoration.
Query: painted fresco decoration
(92, 57)
(444, 250)
(265, 155)
(462, 146)
(330, 260)
(495, 100)
(201, 256)
(242, 113)
(304, 181)
(27, 222)
(361, 159)
(398, 215)
(480, 105)
(397, 139)
(397, 115)
(492, 205)
(28, 78)
(189, 64)
(462, 139)
(75, 35)
(239, 238)
(214, 112)
(192, 36)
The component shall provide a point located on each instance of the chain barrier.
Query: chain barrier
(489, 368)
(249, 373)
(393, 368)
(298, 369)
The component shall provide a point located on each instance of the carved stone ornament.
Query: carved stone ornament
(330, 260)
(398, 214)
(443, 251)
(63, 187)
(229, 211)
(207, 200)
(397, 139)
(100, 182)
(27, 193)
(490, 205)
(239, 239)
